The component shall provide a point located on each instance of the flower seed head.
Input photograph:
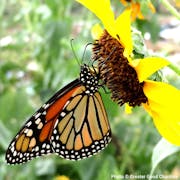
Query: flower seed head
(115, 71)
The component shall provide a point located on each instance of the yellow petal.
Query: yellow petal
(177, 2)
(136, 11)
(119, 28)
(151, 6)
(128, 109)
(147, 66)
(123, 30)
(141, 16)
(62, 177)
(96, 31)
(167, 125)
(161, 92)
(124, 2)
(102, 9)
(163, 106)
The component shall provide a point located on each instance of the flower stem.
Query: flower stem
(171, 9)
(174, 68)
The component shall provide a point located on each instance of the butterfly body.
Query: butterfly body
(73, 124)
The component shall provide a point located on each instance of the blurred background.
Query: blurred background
(36, 60)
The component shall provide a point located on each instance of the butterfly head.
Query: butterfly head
(89, 79)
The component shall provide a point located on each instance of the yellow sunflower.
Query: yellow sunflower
(127, 78)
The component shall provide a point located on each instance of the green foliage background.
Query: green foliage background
(36, 60)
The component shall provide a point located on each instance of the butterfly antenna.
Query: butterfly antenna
(85, 51)
(74, 53)
(109, 56)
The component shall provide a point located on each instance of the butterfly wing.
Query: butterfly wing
(33, 139)
(73, 124)
(82, 128)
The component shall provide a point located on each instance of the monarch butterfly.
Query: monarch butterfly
(72, 123)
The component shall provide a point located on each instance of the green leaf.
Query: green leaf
(2, 7)
(139, 48)
(107, 169)
(5, 135)
(3, 169)
(88, 167)
(161, 151)
(44, 166)
(14, 106)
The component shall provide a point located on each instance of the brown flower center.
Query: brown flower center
(116, 72)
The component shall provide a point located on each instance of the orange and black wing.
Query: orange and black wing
(73, 124)
(82, 129)
(33, 139)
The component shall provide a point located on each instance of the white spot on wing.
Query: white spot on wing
(37, 115)
(38, 121)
